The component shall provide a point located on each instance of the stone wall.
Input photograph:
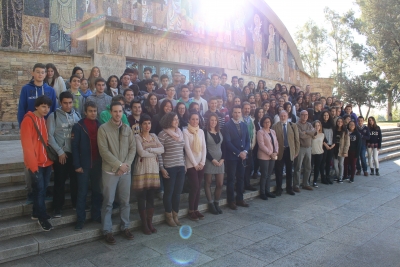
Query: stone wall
(322, 85)
(15, 72)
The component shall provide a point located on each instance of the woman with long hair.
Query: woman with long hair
(229, 99)
(113, 86)
(195, 155)
(373, 145)
(172, 166)
(317, 150)
(183, 115)
(342, 141)
(267, 154)
(307, 102)
(251, 98)
(258, 115)
(292, 94)
(245, 93)
(252, 87)
(94, 74)
(264, 96)
(329, 101)
(150, 105)
(272, 108)
(299, 101)
(277, 88)
(54, 79)
(354, 151)
(329, 145)
(288, 107)
(146, 178)
(194, 107)
(257, 98)
(165, 108)
(214, 162)
(260, 86)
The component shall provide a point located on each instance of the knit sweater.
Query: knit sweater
(173, 155)
(306, 132)
(317, 144)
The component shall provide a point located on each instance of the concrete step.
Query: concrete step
(10, 137)
(385, 130)
(42, 242)
(391, 142)
(391, 133)
(389, 156)
(17, 221)
(389, 138)
(389, 149)
(13, 178)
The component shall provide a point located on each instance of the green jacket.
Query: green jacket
(105, 116)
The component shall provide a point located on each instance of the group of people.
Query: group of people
(151, 136)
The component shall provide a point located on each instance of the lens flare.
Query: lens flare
(90, 28)
(185, 232)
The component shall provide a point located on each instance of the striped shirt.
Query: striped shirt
(173, 155)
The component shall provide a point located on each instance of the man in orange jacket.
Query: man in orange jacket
(36, 159)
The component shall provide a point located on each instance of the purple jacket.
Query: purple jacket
(215, 91)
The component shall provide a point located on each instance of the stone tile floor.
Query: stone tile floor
(335, 225)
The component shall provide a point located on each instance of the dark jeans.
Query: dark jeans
(317, 159)
(255, 160)
(267, 167)
(235, 169)
(195, 179)
(173, 188)
(145, 199)
(326, 162)
(288, 163)
(94, 175)
(362, 158)
(39, 191)
(249, 168)
(350, 162)
(61, 173)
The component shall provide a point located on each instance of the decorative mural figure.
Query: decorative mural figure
(257, 44)
(271, 50)
(281, 61)
(62, 23)
(35, 39)
(12, 11)
(174, 21)
(285, 61)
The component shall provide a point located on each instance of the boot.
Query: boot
(175, 218)
(372, 171)
(143, 218)
(377, 172)
(150, 213)
(169, 220)
(212, 209)
(216, 204)
(323, 179)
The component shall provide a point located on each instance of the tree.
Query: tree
(339, 41)
(311, 44)
(380, 23)
(358, 91)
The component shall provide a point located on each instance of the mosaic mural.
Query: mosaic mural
(51, 25)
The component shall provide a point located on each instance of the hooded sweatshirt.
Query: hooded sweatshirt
(28, 95)
(35, 155)
(60, 130)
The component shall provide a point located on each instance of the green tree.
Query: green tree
(380, 23)
(339, 42)
(311, 44)
(358, 90)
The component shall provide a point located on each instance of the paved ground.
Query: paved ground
(337, 225)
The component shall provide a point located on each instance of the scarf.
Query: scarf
(196, 146)
(175, 134)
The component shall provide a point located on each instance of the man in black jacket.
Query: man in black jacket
(87, 164)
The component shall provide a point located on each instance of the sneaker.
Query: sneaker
(335, 179)
(315, 185)
(351, 181)
(34, 217)
(57, 214)
(45, 224)
(78, 226)
(192, 216)
(346, 178)
(340, 181)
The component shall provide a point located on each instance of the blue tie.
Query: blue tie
(285, 140)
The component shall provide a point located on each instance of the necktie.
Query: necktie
(285, 140)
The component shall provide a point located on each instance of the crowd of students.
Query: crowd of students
(152, 135)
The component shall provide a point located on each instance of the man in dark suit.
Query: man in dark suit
(236, 137)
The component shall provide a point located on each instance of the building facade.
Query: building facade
(166, 35)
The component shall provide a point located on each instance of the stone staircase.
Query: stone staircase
(21, 237)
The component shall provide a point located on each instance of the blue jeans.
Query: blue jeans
(363, 159)
(236, 170)
(94, 174)
(173, 188)
(39, 191)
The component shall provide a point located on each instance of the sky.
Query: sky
(295, 13)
